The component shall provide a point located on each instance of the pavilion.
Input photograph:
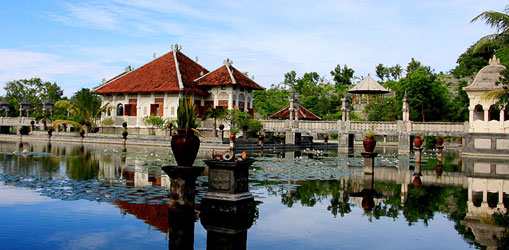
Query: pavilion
(367, 86)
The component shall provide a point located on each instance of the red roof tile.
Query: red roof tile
(159, 75)
(304, 114)
(221, 76)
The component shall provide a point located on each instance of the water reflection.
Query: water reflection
(466, 190)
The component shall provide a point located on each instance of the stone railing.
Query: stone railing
(440, 127)
(315, 125)
(374, 126)
(15, 121)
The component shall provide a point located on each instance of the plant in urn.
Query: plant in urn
(185, 144)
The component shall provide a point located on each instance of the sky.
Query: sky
(78, 43)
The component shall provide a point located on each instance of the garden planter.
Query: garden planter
(417, 142)
(124, 134)
(82, 133)
(369, 144)
(185, 145)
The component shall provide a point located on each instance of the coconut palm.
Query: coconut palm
(497, 20)
(84, 109)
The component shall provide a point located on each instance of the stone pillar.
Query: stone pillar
(404, 143)
(406, 107)
(181, 229)
(182, 189)
(290, 138)
(369, 162)
(345, 142)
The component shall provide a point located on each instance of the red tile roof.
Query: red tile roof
(304, 114)
(159, 75)
(222, 76)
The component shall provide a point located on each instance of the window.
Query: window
(478, 113)
(130, 109)
(156, 109)
(222, 104)
(120, 109)
(241, 105)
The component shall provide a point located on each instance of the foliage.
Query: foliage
(459, 105)
(268, 102)
(497, 20)
(387, 110)
(154, 122)
(35, 91)
(342, 76)
(236, 118)
(428, 96)
(370, 134)
(186, 114)
(107, 122)
(469, 63)
(254, 126)
(84, 109)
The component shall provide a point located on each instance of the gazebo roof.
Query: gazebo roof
(304, 114)
(487, 77)
(227, 75)
(368, 85)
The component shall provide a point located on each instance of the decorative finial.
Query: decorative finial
(494, 60)
(154, 55)
(196, 59)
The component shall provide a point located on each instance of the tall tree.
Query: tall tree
(382, 72)
(84, 107)
(497, 20)
(35, 91)
(342, 76)
(396, 71)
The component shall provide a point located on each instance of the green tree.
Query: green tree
(269, 101)
(382, 72)
(395, 72)
(342, 76)
(469, 63)
(386, 110)
(35, 91)
(428, 96)
(84, 108)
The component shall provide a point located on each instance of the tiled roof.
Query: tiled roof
(304, 114)
(227, 75)
(159, 75)
(368, 85)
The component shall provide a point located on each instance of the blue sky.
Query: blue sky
(77, 43)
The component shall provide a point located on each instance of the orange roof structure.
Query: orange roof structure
(304, 114)
(172, 72)
(227, 75)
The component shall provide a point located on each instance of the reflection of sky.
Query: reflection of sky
(315, 227)
(17, 196)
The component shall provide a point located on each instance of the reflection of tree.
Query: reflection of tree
(338, 205)
(84, 166)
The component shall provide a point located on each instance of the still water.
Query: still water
(72, 196)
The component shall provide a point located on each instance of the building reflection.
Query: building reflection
(488, 193)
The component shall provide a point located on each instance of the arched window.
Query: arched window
(494, 113)
(120, 109)
(478, 113)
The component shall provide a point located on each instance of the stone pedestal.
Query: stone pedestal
(182, 188)
(228, 182)
(369, 162)
(404, 143)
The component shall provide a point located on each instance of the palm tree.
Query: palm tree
(83, 110)
(215, 114)
(497, 20)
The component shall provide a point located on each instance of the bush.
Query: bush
(154, 122)
(107, 122)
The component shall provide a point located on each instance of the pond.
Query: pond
(94, 196)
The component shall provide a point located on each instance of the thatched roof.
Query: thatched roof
(368, 85)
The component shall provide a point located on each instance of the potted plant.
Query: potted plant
(50, 131)
(418, 141)
(369, 142)
(325, 138)
(233, 134)
(124, 124)
(82, 133)
(440, 140)
(185, 144)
